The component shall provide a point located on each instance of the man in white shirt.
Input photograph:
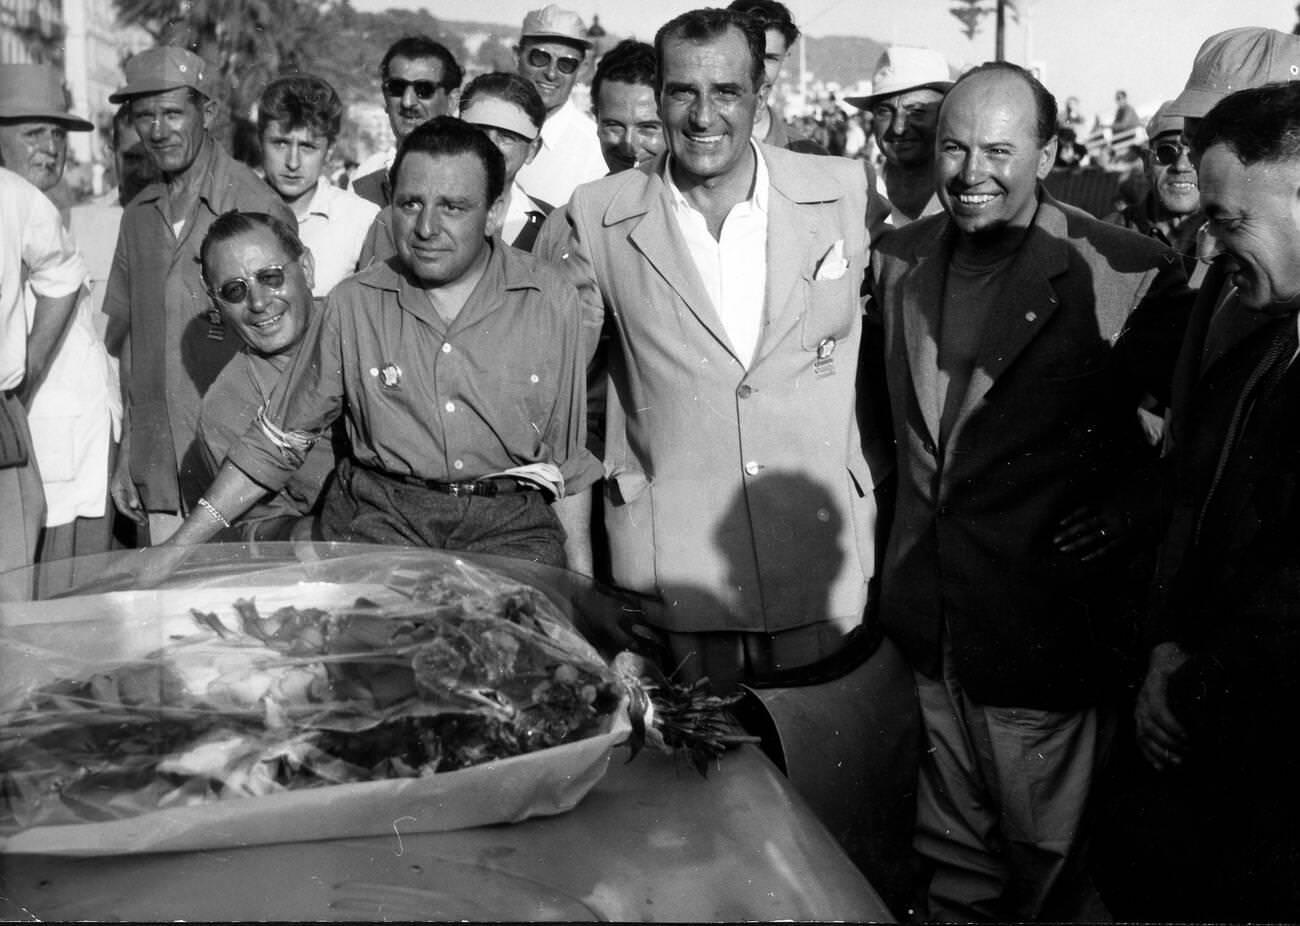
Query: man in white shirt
(739, 499)
(75, 414)
(34, 251)
(552, 49)
(298, 120)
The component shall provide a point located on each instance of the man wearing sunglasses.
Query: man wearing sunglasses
(552, 48)
(455, 369)
(171, 340)
(418, 77)
(260, 277)
(1170, 212)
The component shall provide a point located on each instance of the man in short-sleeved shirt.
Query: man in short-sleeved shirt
(172, 342)
(458, 371)
(35, 251)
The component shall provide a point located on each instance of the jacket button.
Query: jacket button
(745, 391)
(929, 447)
(944, 511)
(752, 468)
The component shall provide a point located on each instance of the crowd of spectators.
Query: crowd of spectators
(924, 391)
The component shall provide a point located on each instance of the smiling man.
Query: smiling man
(259, 276)
(739, 498)
(908, 86)
(1020, 335)
(171, 341)
(456, 369)
(298, 121)
(1170, 212)
(552, 50)
(1224, 663)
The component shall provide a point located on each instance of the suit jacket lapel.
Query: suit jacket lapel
(922, 292)
(656, 236)
(791, 243)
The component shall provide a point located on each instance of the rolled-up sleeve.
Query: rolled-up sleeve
(303, 405)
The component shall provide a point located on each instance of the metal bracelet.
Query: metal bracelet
(212, 510)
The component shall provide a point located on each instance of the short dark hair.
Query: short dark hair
(449, 136)
(512, 88)
(628, 62)
(771, 14)
(301, 101)
(707, 25)
(1044, 102)
(1261, 124)
(234, 223)
(413, 47)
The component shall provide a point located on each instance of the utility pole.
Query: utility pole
(970, 12)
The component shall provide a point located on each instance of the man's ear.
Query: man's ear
(209, 109)
(308, 264)
(496, 216)
(534, 146)
(1046, 158)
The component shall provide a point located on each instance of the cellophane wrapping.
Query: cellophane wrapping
(360, 696)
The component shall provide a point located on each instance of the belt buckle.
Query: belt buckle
(456, 488)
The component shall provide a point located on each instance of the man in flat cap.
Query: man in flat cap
(907, 88)
(172, 343)
(552, 48)
(75, 412)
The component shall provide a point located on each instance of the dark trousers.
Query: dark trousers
(366, 506)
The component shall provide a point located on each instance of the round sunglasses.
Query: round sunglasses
(236, 290)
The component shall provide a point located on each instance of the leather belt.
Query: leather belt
(487, 488)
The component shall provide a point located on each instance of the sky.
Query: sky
(1085, 48)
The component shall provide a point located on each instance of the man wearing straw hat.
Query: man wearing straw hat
(171, 341)
(75, 412)
(907, 88)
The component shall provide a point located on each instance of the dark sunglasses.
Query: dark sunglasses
(542, 59)
(424, 89)
(236, 291)
(1168, 152)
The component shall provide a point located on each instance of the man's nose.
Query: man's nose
(294, 157)
(898, 123)
(409, 99)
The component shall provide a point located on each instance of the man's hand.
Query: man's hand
(1162, 740)
(125, 497)
(1090, 532)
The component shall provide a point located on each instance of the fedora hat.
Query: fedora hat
(37, 91)
(902, 68)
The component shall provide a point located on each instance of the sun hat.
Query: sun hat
(166, 67)
(1237, 59)
(37, 91)
(555, 24)
(500, 114)
(902, 68)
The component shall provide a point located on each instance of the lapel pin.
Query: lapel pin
(390, 376)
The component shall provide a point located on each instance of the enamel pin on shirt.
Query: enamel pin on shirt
(390, 375)
(824, 365)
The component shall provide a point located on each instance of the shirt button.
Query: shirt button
(450, 406)
(446, 347)
(752, 468)
(745, 391)
(458, 464)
